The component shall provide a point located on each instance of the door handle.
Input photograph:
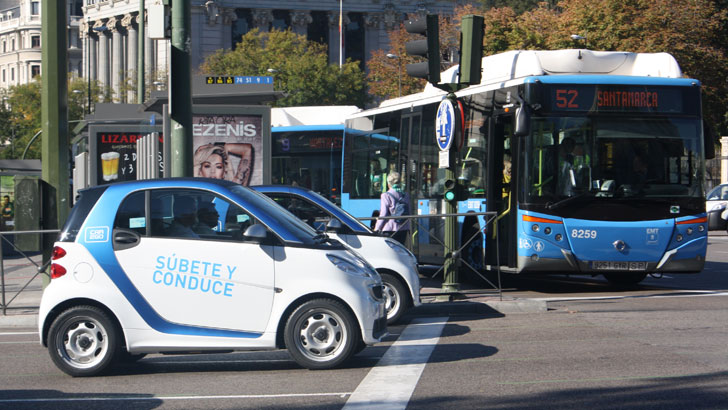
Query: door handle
(125, 237)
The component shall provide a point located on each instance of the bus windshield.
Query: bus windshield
(603, 157)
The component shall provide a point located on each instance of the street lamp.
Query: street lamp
(577, 37)
(399, 72)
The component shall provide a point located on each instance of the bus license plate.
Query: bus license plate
(614, 265)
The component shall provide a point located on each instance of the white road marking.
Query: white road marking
(390, 384)
(17, 333)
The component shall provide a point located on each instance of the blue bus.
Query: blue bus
(593, 161)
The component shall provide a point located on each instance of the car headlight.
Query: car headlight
(400, 249)
(356, 269)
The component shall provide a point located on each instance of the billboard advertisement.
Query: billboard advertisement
(228, 146)
(113, 152)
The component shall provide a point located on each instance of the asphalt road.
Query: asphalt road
(661, 345)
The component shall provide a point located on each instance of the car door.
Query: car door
(211, 279)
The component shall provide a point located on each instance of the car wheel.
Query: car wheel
(396, 297)
(321, 334)
(82, 341)
(625, 279)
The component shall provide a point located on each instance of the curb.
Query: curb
(493, 307)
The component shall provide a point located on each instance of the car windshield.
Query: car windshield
(344, 216)
(718, 193)
(303, 233)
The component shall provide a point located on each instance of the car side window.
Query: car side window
(131, 214)
(195, 214)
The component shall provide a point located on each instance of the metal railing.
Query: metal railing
(22, 284)
(455, 254)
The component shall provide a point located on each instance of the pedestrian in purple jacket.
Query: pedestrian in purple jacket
(394, 202)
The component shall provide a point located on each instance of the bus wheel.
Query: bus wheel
(83, 341)
(396, 297)
(625, 279)
(321, 334)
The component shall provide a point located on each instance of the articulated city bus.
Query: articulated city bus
(594, 162)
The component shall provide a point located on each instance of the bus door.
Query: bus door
(408, 162)
(501, 190)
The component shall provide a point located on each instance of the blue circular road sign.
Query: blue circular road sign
(445, 125)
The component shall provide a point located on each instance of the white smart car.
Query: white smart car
(396, 264)
(135, 271)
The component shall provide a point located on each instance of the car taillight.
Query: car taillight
(57, 271)
(58, 252)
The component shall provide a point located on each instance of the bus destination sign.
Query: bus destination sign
(591, 98)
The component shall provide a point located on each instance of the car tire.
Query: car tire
(396, 297)
(625, 279)
(82, 341)
(321, 334)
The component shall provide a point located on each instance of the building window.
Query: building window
(3, 75)
(5, 46)
(12, 74)
(35, 41)
(34, 8)
(34, 71)
(12, 44)
(281, 19)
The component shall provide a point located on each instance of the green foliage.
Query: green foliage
(301, 69)
(20, 115)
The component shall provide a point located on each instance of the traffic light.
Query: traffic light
(471, 49)
(454, 191)
(428, 48)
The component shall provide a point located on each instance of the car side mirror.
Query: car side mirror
(255, 233)
(334, 225)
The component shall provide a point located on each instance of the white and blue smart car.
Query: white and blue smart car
(196, 265)
(396, 264)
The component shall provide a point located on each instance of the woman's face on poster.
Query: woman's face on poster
(213, 167)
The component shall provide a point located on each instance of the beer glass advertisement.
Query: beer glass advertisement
(228, 146)
(114, 153)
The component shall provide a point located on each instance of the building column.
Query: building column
(372, 24)
(724, 160)
(262, 18)
(131, 58)
(117, 66)
(103, 55)
(300, 19)
(150, 62)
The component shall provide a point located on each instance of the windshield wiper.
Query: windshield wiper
(568, 200)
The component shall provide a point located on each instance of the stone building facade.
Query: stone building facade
(20, 40)
(109, 31)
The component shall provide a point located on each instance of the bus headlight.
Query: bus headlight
(349, 267)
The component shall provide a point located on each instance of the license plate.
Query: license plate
(614, 265)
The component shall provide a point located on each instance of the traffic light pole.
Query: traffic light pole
(180, 93)
(451, 283)
(54, 119)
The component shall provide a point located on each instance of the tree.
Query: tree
(385, 73)
(301, 69)
(20, 115)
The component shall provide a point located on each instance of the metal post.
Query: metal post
(2, 275)
(450, 283)
(180, 94)
(141, 91)
(54, 109)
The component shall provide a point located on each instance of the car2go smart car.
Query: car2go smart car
(396, 264)
(136, 270)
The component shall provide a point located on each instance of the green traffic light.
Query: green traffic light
(450, 195)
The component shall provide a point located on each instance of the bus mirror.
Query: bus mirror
(523, 121)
